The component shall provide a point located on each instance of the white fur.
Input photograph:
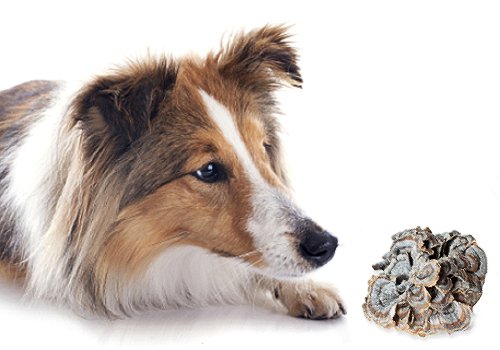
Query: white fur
(225, 122)
(190, 276)
(31, 180)
(272, 209)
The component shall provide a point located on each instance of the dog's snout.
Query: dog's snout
(318, 247)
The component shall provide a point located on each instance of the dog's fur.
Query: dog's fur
(102, 206)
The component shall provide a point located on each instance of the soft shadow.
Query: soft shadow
(207, 324)
(192, 326)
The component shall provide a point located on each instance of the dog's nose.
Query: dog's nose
(318, 247)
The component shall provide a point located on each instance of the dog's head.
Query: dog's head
(191, 153)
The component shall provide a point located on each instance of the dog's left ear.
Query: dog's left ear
(261, 60)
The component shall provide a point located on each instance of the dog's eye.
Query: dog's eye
(211, 172)
(267, 147)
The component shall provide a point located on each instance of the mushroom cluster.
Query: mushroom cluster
(427, 283)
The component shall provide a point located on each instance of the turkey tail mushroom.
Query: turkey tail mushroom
(427, 283)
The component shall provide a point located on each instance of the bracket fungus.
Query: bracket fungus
(427, 283)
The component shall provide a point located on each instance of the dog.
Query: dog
(160, 184)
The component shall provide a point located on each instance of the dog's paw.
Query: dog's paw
(310, 300)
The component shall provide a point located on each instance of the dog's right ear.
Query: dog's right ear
(116, 110)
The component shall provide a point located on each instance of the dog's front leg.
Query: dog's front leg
(304, 298)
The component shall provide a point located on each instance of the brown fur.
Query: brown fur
(183, 212)
(132, 141)
(161, 203)
(19, 102)
(13, 272)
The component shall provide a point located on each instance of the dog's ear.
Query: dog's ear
(116, 110)
(261, 60)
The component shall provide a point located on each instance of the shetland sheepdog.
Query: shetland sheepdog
(160, 184)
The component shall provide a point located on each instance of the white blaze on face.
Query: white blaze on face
(270, 221)
(225, 122)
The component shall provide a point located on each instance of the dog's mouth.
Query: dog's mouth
(291, 243)
(290, 256)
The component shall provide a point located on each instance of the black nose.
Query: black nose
(318, 247)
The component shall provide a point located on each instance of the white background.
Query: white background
(397, 126)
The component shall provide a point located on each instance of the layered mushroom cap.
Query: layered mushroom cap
(427, 283)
